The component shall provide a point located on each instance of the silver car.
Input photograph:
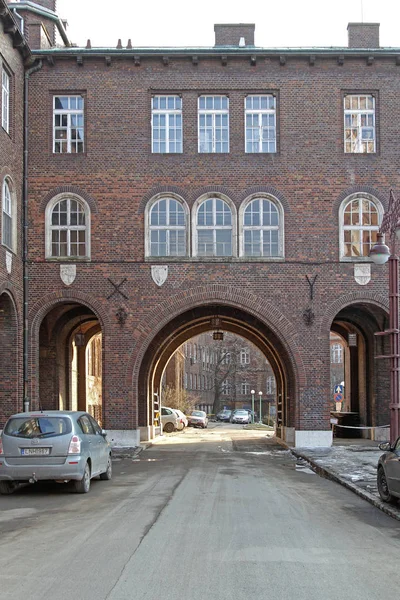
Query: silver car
(388, 475)
(53, 445)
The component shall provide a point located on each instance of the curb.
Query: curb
(129, 451)
(323, 472)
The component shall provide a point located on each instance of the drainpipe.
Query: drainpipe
(26, 401)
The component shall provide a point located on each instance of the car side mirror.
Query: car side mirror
(103, 432)
(385, 446)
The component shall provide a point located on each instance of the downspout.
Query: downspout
(26, 401)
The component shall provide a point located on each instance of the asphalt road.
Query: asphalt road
(221, 514)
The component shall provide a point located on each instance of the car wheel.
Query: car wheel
(7, 487)
(106, 476)
(83, 485)
(168, 428)
(383, 487)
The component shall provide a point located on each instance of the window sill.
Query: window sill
(67, 259)
(212, 259)
(356, 259)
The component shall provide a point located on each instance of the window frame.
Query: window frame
(359, 113)
(69, 113)
(168, 113)
(260, 112)
(280, 227)
(149, 228)
(49, 228)
(337, 352)
(5, 99)
(342, 228)
(245, 356)
(233, 227)
(8, 214)
(213, 112)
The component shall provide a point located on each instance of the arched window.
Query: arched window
(68, 223)
(167, 228)
(7, 216)
(214, 228)
(360, 219)
(262, 229)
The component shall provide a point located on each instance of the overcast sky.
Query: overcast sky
(181, 23)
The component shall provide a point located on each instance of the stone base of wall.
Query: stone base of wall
(124, 438)
(313, 439)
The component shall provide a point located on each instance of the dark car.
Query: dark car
(224, 415)
(388, 474)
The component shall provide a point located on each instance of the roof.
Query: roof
(11, 28)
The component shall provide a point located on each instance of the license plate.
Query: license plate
(35, 451)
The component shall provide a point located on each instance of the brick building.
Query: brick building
(169, 187)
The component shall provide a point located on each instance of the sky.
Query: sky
(293, 23)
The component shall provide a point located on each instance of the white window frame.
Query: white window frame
(213, 115)
(69, 114)
(257, 114)
(270, 384)
(262, 228)
(167, 228)
(245, 356)
(50, 227)
(5, 100)
(8, 214)
(356, 140)
(245, 388)
(214, 228)
(342, 227)
(171, 129)
(336, 354)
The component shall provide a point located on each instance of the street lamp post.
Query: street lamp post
(260, 396)
(252, 405)
(380, 254)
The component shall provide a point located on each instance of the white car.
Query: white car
(169, 419)
(182, 419)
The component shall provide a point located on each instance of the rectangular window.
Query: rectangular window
(244, 356)
(336, 353)
(5, 100)
(245, 388)
(359, 124)
(213, 124)
(68, 125)
(166, 124)
(260, 123)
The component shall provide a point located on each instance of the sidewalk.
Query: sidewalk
(352, 463)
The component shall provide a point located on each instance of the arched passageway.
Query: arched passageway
(365, 405)
(9, 359)
(230, 319)
(70, 360)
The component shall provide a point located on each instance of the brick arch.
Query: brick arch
(223, 295)
(39, 310)
(160, 189)
(69, 189)
(10, 365)
(342, 302)
(8, 289)
(359, 189)
(265, 190)
(212, 190)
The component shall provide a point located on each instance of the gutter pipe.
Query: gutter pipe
(26, 401)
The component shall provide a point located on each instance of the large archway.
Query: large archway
(231, 319)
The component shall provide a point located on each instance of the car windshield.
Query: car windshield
(241, 412)
(38, 426)
(198, 413)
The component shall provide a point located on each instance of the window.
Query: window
(5, 100)
(245, 388)
(244, 356)
(68, 125)
(359, 124)
(261, 229)
(225, 357)
(225, 388)
(360, 219)
(166, 119)
(213, 124)
(68, 222)
(336, 353)
(270, 384)
(7, 216)
(214, 228)
(167, 225)
(260, 123)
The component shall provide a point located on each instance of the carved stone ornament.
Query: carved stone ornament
(362, 273)
(8, 262)
(68, 274)
(159, 274)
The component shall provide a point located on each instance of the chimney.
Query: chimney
(239, 34)
(363, 35)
